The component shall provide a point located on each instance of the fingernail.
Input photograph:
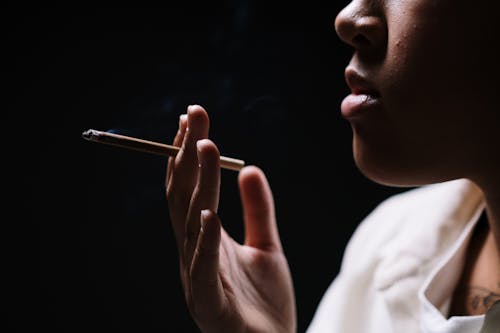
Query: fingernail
(204, 217)
(182, 119)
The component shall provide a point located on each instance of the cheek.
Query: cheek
(407, 142)
(427, 81)
(433, 83)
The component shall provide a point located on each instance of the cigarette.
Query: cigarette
(150, 147)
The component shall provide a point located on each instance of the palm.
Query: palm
(257, 283)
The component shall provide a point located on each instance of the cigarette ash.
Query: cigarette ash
(90, 134)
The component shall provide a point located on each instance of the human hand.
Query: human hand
(229, 287)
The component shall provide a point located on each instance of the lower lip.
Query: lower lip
(354, 105)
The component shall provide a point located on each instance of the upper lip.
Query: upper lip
(358, 84)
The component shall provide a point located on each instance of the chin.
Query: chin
(388, 166)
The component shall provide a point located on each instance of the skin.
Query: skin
(435, 75)
(433, 66)
(472, 296)
(229, 287)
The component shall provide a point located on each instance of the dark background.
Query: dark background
(86, 233)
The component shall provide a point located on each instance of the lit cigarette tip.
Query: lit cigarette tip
(90, 134)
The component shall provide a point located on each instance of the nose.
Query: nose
(359, 25)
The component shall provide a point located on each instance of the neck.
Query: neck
(480, 282)
(491, 192)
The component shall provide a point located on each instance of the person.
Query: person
(424, 114)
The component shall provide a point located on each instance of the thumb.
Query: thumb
(261, 230)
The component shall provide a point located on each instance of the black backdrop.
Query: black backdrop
(88, 244)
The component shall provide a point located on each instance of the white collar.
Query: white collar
(436, 292)
(437, 221)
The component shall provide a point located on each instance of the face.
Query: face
(423, 76)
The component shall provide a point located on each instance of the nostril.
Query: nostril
(360, 41)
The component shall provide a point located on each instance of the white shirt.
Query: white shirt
(402, 264)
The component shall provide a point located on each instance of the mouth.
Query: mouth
(358, 84)
(364, 96)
